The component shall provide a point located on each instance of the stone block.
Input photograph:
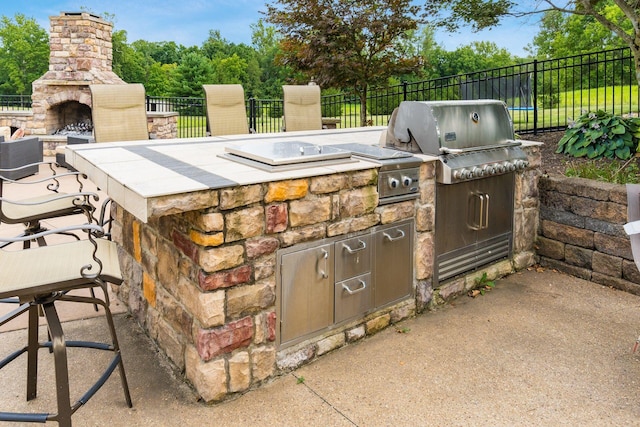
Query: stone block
(452, 288)
(240, 196)
(568, 234)
(617, 246)
(286, 190)
(239, 372)
(330, 343)
(364, 178)
(173, 312)
(149, 289)
(204, 239)
(396, 211)
(208, 378)
(221, 258)
(260, 246)
(263, 363)
(424, 256)
(550, 248)
(607, 264)
(224, 279)
(309, 211)
(329, 183)
(425, 218)
(171, 343)
(630, 271)
(582, 273)
(206, 307)
(616, 282)
(215, 342)
(206, 222)
(174, 204)
(377, 324)
(264, 268)
(295, 358)
(249, 299)
(277, 218)
(303, 234)
(355, 334)
(357, 202)
(581, 257)
(168, 259)
(244, 224)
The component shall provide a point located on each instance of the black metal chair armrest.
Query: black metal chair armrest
(55, 176)
(92, 230)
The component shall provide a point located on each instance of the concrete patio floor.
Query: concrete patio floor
(541, 348)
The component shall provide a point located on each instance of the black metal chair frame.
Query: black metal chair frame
(44, 298)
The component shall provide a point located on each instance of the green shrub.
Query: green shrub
(601, 134)
(332, 100)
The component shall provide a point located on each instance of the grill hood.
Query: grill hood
(439, 127)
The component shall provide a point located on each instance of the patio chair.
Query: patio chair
(39, 278)
(226, 110)
(302, 110)
(119, 112)
(32, 211)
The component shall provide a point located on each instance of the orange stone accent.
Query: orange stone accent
(204, 239)
(137, 247)
(149, 289)
(286, 190)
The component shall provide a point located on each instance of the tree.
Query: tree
(482, 14)
(345, 43)
(194, 71)
(24, 54)
(265, 39)
(563, 35)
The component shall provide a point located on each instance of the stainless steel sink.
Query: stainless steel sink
(286, 155)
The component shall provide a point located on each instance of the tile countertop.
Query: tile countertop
(144, 177)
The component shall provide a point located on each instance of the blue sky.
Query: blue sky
(188, 22)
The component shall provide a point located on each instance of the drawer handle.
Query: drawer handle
(325, 257)
(361, 246)
(393, 239)
(363, 286)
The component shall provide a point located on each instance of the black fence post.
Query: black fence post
(404, 90)
(535, 96)
(253, 120)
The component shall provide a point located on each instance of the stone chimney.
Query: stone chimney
(81, 54)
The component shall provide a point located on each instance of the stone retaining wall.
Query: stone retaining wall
(581, 231)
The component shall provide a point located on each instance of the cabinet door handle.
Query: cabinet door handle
(393, 239)
(478, 215)
(361, 246)
(325, 257)
(363, 286)
(486, 212)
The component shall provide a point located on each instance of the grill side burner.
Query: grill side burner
(475, 177)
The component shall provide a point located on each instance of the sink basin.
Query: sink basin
(289, 155)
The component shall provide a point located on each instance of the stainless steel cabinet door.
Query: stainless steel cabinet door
(393, 263)
(306, 304)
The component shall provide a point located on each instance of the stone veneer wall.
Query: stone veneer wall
(581, 231)
(202, 283)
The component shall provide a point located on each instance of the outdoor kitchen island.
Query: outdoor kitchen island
(204, 241)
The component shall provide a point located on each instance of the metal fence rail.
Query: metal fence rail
(541, 95)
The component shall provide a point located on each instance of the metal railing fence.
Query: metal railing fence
(542, 95)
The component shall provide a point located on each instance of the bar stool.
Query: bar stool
(39, 278)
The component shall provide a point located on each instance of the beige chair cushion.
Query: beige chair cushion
(43, 207)
(226, 110)
(45, 269)
(302, 109)
(119, 112)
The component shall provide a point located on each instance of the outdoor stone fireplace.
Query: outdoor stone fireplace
(81, 54)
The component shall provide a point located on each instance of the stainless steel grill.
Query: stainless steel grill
(473, 139)
(475, 173)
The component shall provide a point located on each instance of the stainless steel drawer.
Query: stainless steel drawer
(393, 263)
(353, 297)
(353, 257)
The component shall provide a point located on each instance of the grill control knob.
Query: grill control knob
(521, 164)
(499, 168)
(393, 183)
(476, 172)
(509, 167)
(489, 170)
(461, 174)
(406, 181)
